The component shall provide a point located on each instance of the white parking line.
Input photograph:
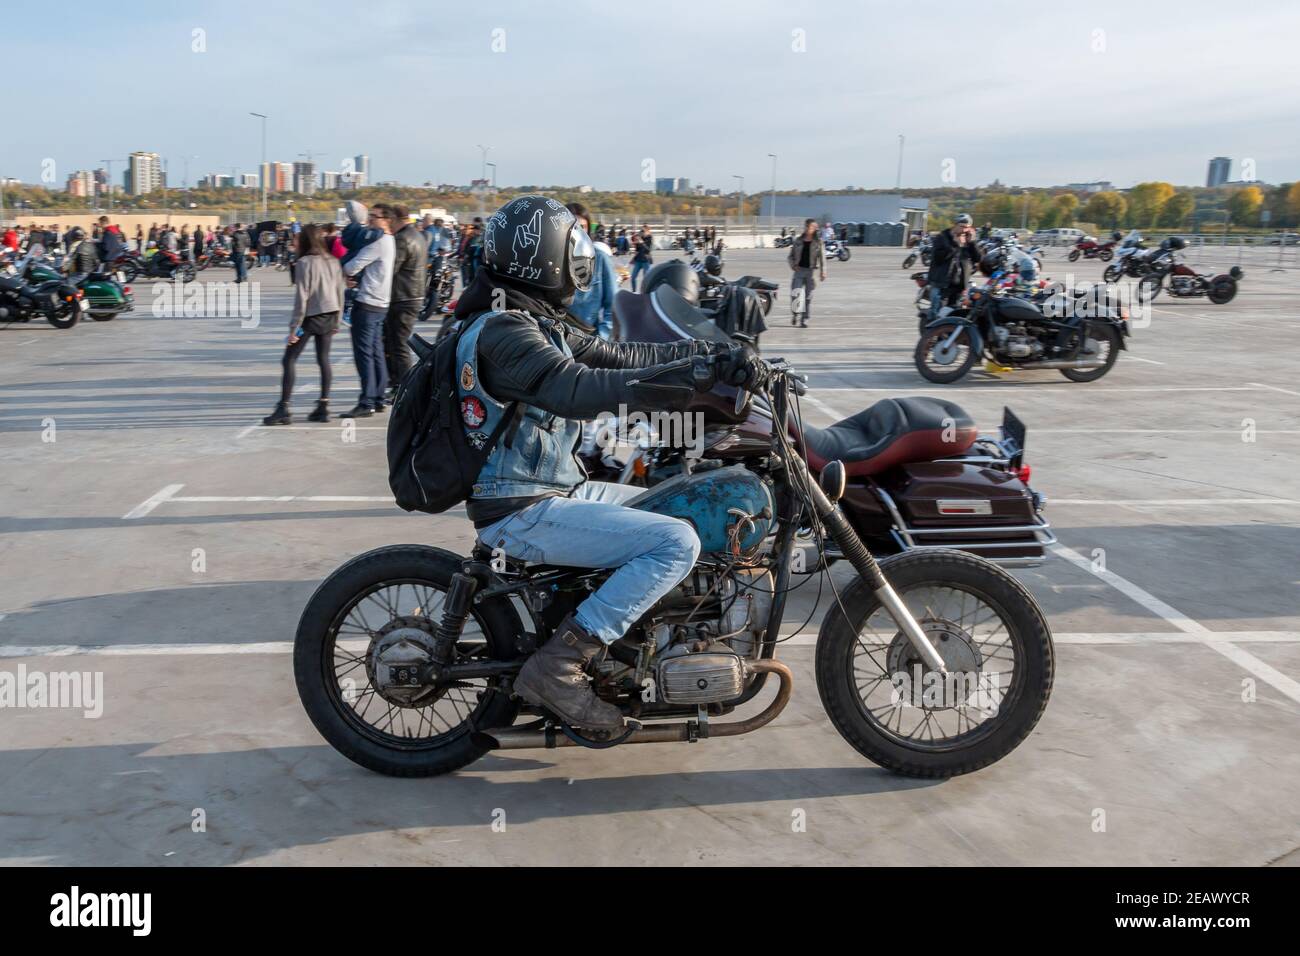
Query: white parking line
(1173, 502)
(209, 499)
(1138, 358)
(1201, 634)
(788, 638)
(153, 501)
(1274, 388)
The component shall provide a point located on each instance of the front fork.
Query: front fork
(865, 564)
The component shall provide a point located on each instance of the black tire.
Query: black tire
(1222, 290)
(844, 254)
(1106, 255)
(909, 261)
(930, 338)
(1073, 255)
(1112, 273)
(65, 318)
(1018, 712)
(1099, 331)
(187, 272)
(103, 316)
(925, 258)
(1148, 288)
(337, 722)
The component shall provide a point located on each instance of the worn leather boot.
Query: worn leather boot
(554, 678)
(280, 416)
(322, 411)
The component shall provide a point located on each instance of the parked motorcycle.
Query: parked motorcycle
(440, 286)
(783, 242)
(1089, 248)
(930, 663)
(1078, 332)
(911, 485)
(922, 251)
(104, 296)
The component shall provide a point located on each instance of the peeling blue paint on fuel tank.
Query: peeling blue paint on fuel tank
(704, 498)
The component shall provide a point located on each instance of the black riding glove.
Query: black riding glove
(740, 365)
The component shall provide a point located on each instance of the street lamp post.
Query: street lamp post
(772, 214)
(740, 201)
(494, 176)
(262, 171)
(898, 181)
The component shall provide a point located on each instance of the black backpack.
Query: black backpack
(431, 464)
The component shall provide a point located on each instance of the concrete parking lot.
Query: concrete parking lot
(153, 533)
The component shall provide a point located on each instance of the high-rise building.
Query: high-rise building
(101, 182)
(329, 179)
(81, 183)
(1220, 171)
(304, 178)
(144, 173)
(361, 164)
(278, 177)
(249, 180)
(669, 186)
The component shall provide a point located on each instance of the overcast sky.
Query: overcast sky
(585, 92)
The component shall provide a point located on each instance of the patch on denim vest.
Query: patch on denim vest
(467, 377)
(472, 412)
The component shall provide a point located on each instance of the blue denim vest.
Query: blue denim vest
(540, 459)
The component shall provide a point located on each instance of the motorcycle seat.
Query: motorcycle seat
(893, 431)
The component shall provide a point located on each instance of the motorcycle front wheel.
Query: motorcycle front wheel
(998, 656)
(379, 611)
(940, 364)
(1148, 288)
(1106, 255)
(1073, 255)
(907, 263)
(1112, 273)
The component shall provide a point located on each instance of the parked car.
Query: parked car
(1284, 239)
(1056, 237)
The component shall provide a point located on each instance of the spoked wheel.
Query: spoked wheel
(1102, 343)
(895, 711)
(369, 620)
(907, 263)
(942, 357)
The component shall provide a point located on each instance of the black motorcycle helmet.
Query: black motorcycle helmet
(535, 241)
(678, 275)
(713, 264)
(1117, 235)
(991, 262)
(1177, 242)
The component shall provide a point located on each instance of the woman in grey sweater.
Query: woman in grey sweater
(318, 300)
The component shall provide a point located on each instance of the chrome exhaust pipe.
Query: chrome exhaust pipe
(1063, 363)
(508, 738)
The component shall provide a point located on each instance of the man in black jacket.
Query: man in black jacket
(239, 246)
(953, 256)
(531, 499)
(410, 274)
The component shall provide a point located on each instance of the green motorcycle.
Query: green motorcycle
(104, 296)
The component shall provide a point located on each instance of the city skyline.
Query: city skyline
(1058, 106)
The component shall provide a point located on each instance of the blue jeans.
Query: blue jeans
(593, 528)
(241, 267)
(637, 269)
(368, 352)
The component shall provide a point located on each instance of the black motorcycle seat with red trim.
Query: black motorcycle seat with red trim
(893, 431)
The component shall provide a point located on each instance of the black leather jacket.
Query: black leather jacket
(518, 363)
(409, 272)
(83, 260)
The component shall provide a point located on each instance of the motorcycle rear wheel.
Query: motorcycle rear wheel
(1073, 255)
(947, 591)
(348, 608)
(1106, 255)
(1222, 291)
(907, 263)
(1111, 343)
(64, 318)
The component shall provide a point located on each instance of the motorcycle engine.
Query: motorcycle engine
(1016, 341)
(702, 633)
(1180, 285)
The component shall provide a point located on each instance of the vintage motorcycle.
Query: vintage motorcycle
(57, 301)
(931, 663)
(919, 473)
(1080, 332)
(1186, 283)
(440, 286)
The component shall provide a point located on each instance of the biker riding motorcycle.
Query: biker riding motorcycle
(517, 357)
(82, 258)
